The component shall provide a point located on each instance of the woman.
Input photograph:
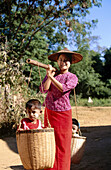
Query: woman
(57, 104)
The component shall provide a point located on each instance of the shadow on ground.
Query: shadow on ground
(20, 167)
(11, 143)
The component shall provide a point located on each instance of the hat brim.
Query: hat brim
(76, 57)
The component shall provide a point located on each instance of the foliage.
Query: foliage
(97, 63)
(10, 72)
(101, 65)
(56, 20)
(12, 106)
(90, 83)
(107, 65)
(14, 92)
(36, 28)
(37, 51)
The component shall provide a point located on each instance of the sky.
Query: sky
(103, 27)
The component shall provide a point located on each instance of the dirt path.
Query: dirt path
(95, 125)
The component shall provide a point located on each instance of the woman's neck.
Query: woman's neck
(63, 71)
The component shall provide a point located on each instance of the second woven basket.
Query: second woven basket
(77, 148)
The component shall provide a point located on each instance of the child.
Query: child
(33, 109)
(75, 127)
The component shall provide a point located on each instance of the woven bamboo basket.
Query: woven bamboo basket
(36, 148)
(77, 148)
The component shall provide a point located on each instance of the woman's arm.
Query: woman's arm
(56, 83)
(50, 75)
(47, 84)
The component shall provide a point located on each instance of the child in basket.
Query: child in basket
(33, 109)
(75, 127)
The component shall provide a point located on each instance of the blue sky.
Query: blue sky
(103, 28)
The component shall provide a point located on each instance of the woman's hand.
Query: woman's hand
(50, 71)
(51, 78)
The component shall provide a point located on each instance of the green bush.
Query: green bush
(12, 107)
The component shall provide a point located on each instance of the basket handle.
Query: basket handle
(79, 132)
(49, 125)
(75, 102)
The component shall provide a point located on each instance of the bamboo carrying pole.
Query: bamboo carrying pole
(36, 63)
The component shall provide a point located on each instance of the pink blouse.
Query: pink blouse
(57, 100)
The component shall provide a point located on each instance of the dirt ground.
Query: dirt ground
(95, 124)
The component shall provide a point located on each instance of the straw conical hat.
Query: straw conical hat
(76, 57)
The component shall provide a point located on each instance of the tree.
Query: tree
(107, 64)
(98, 63)
(35, 28)
(89, 81)
(101, 65)
(23, 19)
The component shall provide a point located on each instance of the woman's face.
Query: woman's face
(63, 62)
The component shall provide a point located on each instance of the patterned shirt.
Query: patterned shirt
(55, 99)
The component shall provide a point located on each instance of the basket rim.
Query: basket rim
(79, 137)
(36, 130)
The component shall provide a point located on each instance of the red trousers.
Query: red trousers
(62, 124)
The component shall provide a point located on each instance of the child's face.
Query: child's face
(75, 128)
(33, 114)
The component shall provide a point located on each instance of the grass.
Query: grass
(96, 102)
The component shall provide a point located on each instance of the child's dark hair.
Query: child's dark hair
(33, 102)
(75, 122)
